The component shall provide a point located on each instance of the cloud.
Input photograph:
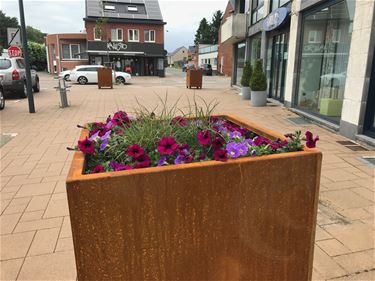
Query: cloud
(54, 16)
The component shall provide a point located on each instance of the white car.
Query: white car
(84, 74)
(65, 75)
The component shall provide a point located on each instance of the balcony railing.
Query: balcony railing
(234, 28)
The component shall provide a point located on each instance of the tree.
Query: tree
(6, 22)
(203, 34)
(35, 35)
(215, 26)
(246, 75)
(38, 56)
(258, 81)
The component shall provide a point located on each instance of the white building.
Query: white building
(208, 55)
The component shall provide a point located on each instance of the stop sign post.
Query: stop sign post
(14, 51)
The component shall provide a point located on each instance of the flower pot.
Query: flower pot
(258, 98)
(245, 93)
(250, 218)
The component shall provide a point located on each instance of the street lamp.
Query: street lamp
(29, 92)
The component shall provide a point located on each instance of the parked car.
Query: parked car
(2, 100)
(65, 75)
(84, 74)
(207, 69)
(14, 77)
(187, 66)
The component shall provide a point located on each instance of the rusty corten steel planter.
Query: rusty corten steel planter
(245, 219)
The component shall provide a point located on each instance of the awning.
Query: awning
(104, 53)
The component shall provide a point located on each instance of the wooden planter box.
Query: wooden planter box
(105, 78)
(245, 219)
(194, 79)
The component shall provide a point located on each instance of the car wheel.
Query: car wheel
(36, 87)
(2, 100)
(66, 77)
(120, 80)
(24, 92)
(82, 80)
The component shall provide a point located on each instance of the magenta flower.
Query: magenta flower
(143, 161)
(180, 121)
(260, 141)
(310, 140)
(97, 169)
(120, 167)
(218, 143)
(220, 155)
(86, 146)
(204, 137)
(167, 146)
(121, 119)
(135, 151)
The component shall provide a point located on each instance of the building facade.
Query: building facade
(126, 34)
(207, 54)
(65, 51)
(225, 51)
(318, 56)
(178, 57)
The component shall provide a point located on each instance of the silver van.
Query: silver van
(14, 77)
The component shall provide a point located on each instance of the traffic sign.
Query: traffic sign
(14, 51)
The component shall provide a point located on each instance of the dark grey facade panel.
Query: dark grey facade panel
(149, 49)
(305, 4)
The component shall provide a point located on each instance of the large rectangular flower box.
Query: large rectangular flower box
(250, 218)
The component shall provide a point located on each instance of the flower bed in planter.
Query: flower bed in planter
(249, 218)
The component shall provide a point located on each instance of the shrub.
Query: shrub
(246, 75)
(258, 81)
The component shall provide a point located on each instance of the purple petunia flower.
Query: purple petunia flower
(232, 149)
(94, 136)
(162, 161)
(235, 135)
(104, 144)
(106, 135)
(248, 142)
(109, 125)
(242, 148)
(119, 167)
(253, 153)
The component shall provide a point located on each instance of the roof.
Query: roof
(176, 51)
(119, 9)
(192, 49)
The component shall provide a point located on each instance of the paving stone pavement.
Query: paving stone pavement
(36, 239)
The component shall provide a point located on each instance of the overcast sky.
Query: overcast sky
(54, 16)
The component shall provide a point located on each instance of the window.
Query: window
(133, 35)
(21, 63)
(149, 35)
(71, 51)
(132, 9)
(97, 34)
(278, 3)
(323, 64)
(109, 8)
(116, 34)
(5, 64)
(257, 11)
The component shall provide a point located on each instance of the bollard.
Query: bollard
(62, 88)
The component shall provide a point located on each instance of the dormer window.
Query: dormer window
(132, 9)
(109, 7)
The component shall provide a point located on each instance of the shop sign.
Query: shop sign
(275, 19)
(116, 46)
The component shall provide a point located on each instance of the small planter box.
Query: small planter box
(245, 219)
(194, 79)
(105, 78)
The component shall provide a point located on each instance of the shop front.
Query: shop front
(138, 59)
(370, 111)
(240, 54)
(326, 33)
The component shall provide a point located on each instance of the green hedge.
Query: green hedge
(246, 75)
(258, 81)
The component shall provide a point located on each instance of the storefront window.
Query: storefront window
(257, 11)
(255, 48)
(277, 4)
(241, 50)
(324, 56)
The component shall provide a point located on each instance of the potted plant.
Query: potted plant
(258, 86)
(193, 197)
(245, 80)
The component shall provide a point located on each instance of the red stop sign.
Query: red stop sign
(14, 51)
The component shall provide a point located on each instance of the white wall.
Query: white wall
(209, 56)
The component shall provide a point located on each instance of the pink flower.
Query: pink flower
(221, 155)
(86, 146)
(260, 141)
(97, 169)
(218, 143)
(180, 121)
(143, 161)
(310, 140)
(121, 119)
(119, 167)
(204, 137)
(135, 151)
(167, 146)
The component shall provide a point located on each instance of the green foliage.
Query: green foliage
(258, 81)
(100, 28)
(38, 57)
(208, 32)
(215, 26)
(35, 35)
(246, 75)
(6, 22)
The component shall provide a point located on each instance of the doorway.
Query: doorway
(278, 65)
(370, 111)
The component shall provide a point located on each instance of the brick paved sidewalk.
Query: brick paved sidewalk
(36, 241)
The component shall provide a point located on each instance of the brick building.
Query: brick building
(225, 52)
(118, 34)
(65, 51)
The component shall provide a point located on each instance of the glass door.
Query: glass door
(278, 66)
(370, 112)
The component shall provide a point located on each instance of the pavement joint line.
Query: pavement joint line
(353, 274)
